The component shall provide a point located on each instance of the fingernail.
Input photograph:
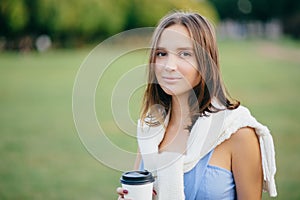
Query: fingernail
(154, 192)
(125, 191)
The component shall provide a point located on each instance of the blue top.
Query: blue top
(212, 183)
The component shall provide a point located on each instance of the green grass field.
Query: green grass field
(42, 156)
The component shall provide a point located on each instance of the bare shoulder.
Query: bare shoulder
(246, 163)
(244, 138)
(241, 147)
(244, 146)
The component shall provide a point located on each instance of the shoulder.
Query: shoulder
(247, 163)
(244, 138)
(244, 135)
(237, 150)
(244, 144)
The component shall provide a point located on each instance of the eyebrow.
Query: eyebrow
(180, 48)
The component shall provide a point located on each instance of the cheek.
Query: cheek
(188, 69)
(197, 80)
(157, 69)
(191, 74)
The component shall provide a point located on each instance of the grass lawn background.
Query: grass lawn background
(42, 156)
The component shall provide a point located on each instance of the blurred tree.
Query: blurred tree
(201, 6)
(226, 8)
(148, 12)
(290, 14)
(13, 17)
(287, 11)
(78, 21)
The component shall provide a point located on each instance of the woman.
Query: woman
(196, 140)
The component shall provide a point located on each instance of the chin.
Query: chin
(168, 91)
(172, 92)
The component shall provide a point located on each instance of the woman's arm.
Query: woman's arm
(246, 164)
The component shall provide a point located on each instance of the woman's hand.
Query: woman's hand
(121, 193)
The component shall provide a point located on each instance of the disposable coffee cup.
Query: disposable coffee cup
(139, 185)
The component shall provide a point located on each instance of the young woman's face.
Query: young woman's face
(175, 61)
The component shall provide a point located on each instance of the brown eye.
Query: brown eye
(160, 54)
(185, 54)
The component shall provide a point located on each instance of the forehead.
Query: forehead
(175, 36)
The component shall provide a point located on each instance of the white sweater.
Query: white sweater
(206, 134)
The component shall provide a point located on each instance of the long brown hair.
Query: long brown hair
(210, 86)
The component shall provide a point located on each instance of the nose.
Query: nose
(171, 62)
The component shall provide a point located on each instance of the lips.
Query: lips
(170, 79)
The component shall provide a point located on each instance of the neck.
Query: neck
(180, 110)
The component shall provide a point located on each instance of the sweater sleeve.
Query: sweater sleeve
(241, 117)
